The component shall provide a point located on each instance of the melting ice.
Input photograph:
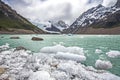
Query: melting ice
(51, 63)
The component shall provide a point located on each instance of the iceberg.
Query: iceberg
(103, 64)
(113, 54)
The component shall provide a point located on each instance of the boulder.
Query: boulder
(2, 70)
(37, 39)
(15, 37)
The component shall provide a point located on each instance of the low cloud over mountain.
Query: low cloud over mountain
(44, 10)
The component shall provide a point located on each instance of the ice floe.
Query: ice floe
(98, 51)
(4, 47)
(22, 65)
(60, 48)
(70, 56)
(103, 64)
(113, 54)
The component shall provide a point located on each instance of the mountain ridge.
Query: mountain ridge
(97, 17)
(11, 21)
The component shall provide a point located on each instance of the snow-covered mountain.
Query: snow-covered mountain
(97, 17)
(51, 26)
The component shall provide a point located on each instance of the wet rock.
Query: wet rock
(20, 48)
(37, 39)
(73, 76)
(2, 70)
(16, 37)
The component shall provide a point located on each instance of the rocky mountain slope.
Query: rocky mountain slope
(11, 22)
(98, 20)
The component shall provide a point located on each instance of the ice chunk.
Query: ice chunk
(98, 51)
(3, 47)
(60, 75)
(53, 49)
(40, 75)
(60, 48)
(113, 54)
(82, 72)
(68, 67)
(75, 50)
(3, 76)
(70, 56)
(103, 64)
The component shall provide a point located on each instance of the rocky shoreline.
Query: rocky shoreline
(17, 31)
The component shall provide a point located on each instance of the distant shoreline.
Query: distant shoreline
(102, 31)
(83, 31)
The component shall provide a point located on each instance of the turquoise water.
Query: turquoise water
(89, 42)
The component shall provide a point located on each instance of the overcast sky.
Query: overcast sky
(45, 10)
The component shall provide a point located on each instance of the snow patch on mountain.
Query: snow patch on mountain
(93, 14)
(51, 26)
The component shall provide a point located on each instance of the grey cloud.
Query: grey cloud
(43, 10)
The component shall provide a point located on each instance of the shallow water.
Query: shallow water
(89, 42)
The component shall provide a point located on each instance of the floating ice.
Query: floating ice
(21, 65)
(60, 48)
(113, 54)
(103, 64)
(75, 50)
(98, 51)
(70, 56)
(4, 47)
(53, 49)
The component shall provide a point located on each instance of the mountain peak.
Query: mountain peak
(117, 4)
(96, 17)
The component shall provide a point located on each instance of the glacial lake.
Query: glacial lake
(89, 43)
